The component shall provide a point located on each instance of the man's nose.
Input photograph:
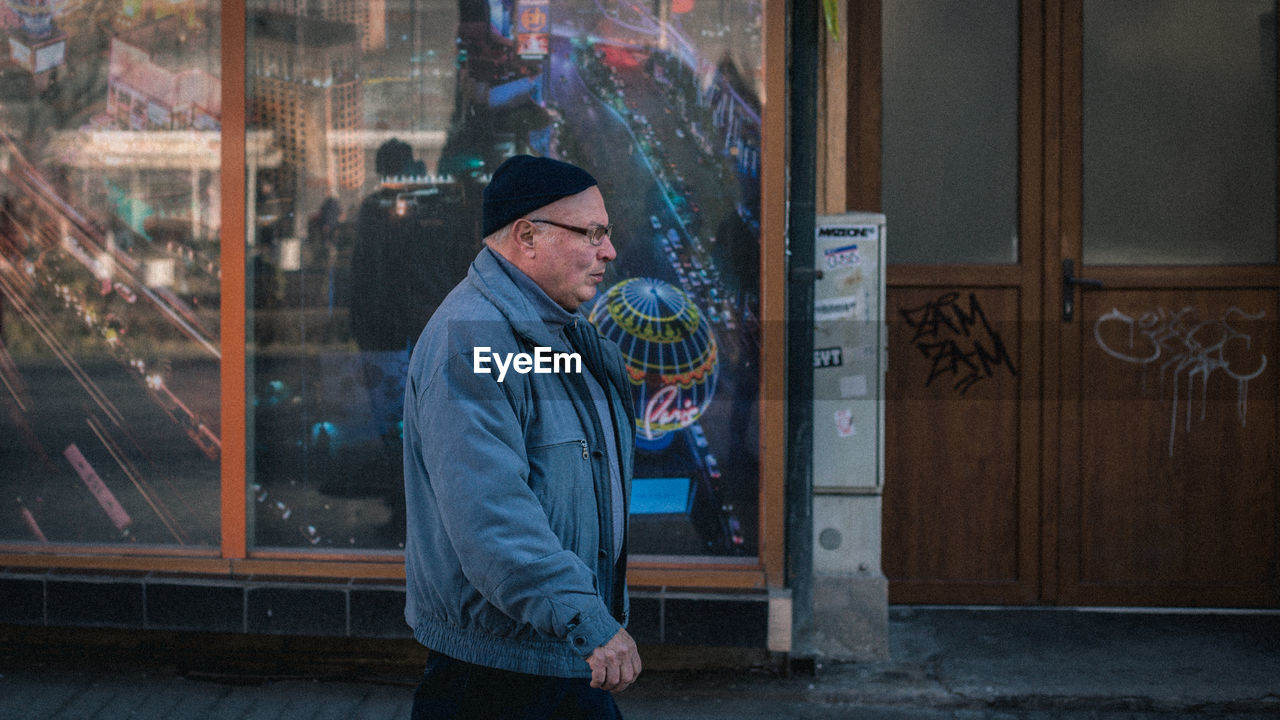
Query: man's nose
(607, 251)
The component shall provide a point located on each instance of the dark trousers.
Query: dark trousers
(456, 690)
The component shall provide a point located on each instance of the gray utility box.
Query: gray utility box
(850, 357)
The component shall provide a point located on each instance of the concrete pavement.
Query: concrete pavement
(1029, 663)
(1023, 664)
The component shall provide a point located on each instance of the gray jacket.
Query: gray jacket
(508, 551)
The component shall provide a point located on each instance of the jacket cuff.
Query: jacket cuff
(591, 629)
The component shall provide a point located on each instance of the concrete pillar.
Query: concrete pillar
(850, 592)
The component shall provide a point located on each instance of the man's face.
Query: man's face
(564, 264)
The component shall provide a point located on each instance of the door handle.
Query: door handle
(1069, 283)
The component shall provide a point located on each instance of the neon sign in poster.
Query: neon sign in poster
(533, 37)
(659, 100)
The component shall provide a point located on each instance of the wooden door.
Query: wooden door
(1168, 469)
(1169, 464)
(1128, 455)
(962, 494)
(961, 507)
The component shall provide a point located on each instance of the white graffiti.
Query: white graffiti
(1188, 349)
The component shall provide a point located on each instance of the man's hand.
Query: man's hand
(616, 664)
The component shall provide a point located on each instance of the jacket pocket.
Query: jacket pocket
(560, 477)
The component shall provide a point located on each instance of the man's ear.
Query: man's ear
(522, 230)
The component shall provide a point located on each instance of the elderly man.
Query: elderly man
(517, 467)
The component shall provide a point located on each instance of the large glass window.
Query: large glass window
(109, 273)
(372, 129)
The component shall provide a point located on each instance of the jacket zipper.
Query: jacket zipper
(584, 449)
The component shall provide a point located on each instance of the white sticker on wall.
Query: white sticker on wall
(837, 308)
(852, 386)
(844, 423)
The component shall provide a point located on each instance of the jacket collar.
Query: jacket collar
(531, 312)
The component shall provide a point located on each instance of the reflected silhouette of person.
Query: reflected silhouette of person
(406, 259)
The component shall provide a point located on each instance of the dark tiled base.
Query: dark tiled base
(646, 620)
(377, 613)
(209, 608)
(23, 602)
(733, 623)
(202, 604)
(297, 611)
(97, 604)
(324, 608)
(710, 619)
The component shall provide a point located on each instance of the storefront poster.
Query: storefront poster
(369, 141)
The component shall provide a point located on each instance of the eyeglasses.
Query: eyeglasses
(595, 234)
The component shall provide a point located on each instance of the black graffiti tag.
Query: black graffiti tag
(958, 342)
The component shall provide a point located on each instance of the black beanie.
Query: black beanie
(524, 183)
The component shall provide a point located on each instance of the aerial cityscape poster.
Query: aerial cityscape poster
(372, 128)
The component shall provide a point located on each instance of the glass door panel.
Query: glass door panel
(950, 138)
(1179, 132)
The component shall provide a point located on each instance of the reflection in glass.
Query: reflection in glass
(109, 274)
(374, 127)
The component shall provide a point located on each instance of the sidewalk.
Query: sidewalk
(1029, 663)
(946, 663)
